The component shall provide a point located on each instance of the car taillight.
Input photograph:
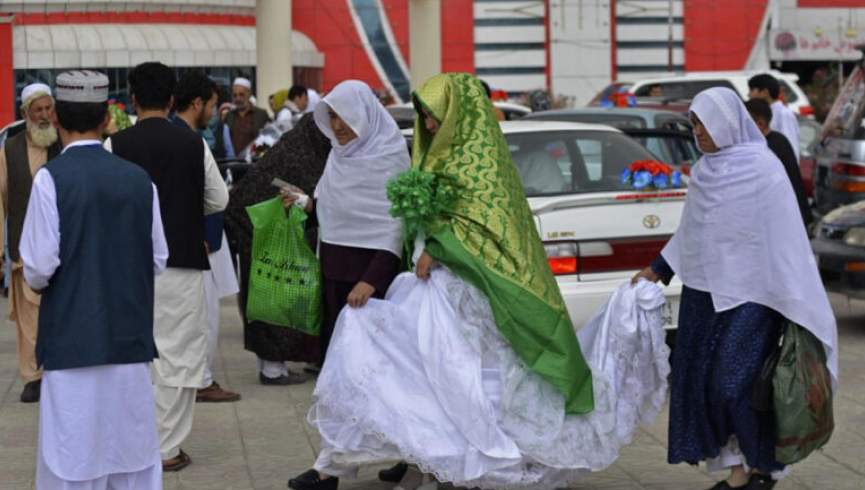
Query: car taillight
(848, 186)
(806, 110)
(848, 169)
(619, 255)
(592, 257)
(562, 257)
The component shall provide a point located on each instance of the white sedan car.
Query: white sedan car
(597, 232)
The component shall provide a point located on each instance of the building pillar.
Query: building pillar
(272, 47)
(425, 39)
(7, 72)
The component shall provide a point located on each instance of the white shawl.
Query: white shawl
(741, 237)
(352, 207)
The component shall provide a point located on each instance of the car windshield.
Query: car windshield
(564, 162)
(616, 120)
(677, 151)
(684, 89)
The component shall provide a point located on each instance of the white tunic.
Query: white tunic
(98, 420)
(181, 327)
(785, 122)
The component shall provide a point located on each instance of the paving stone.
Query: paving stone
(262, 440)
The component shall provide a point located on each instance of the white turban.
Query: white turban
(33, 92)
(243, 82)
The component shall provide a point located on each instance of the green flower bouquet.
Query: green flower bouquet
(419, 198)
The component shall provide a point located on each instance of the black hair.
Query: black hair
(80, 117)
(487, 89)
(765, 81)
(191, 86)
(759, 109)
(296, 91)
(152, 84)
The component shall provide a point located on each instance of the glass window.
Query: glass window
(562, 162)
(789, 95)
(683, 89)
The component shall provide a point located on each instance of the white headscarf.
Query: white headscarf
(353, 208)
(741, 237)
(314, 99)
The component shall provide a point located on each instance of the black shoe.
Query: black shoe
(31, 392)
(310, 481)
(723, 485)
(393, 474)
(761, 482)
(291, 379)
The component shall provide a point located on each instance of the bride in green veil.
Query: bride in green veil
(470, 368)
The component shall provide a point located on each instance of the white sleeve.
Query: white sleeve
(215, 190)
(40, 238)
(160, 247)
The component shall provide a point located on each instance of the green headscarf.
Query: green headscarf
(487, 234)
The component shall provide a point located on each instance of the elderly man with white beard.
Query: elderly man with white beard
(22, 155)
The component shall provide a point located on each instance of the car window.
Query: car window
(562, 162)
(682, 89)
(608, 91)
(614, 119)
(788, 92)
(673, 123)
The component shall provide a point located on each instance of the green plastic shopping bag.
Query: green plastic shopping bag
(802, 392)
(284, 275)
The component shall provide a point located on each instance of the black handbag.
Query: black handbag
(761, 392)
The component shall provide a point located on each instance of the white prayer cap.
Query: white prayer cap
(243, 82)
(82, 86)
(33, 92)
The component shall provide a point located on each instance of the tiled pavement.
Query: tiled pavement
(259, 442)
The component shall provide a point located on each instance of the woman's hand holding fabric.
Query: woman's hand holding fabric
(424, 265)
(360, 294)
(647, 274)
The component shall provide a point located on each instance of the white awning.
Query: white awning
(126, 45)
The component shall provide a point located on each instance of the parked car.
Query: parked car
(840, 174)
(404, 114)
(597, 231)
(668, 135)
(840, 250)
(686, 86)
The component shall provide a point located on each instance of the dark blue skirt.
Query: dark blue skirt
(716, 358)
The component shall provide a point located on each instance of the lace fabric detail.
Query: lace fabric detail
(361, 422)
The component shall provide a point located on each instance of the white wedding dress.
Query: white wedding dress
(424, 376)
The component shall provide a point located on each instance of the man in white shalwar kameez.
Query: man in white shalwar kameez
(766, 87)
(190, 187)
(95, 342)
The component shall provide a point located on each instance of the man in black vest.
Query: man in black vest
(190, 187)
(91, 243)
(195, 100)
(21, 157)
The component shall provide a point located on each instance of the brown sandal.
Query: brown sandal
(176, 463)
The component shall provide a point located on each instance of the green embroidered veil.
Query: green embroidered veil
(488, 237)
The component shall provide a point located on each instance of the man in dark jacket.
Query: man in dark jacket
(761, 113)
(245, 120)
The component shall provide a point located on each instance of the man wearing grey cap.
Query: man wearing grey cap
(22, 155)
(91, 244)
